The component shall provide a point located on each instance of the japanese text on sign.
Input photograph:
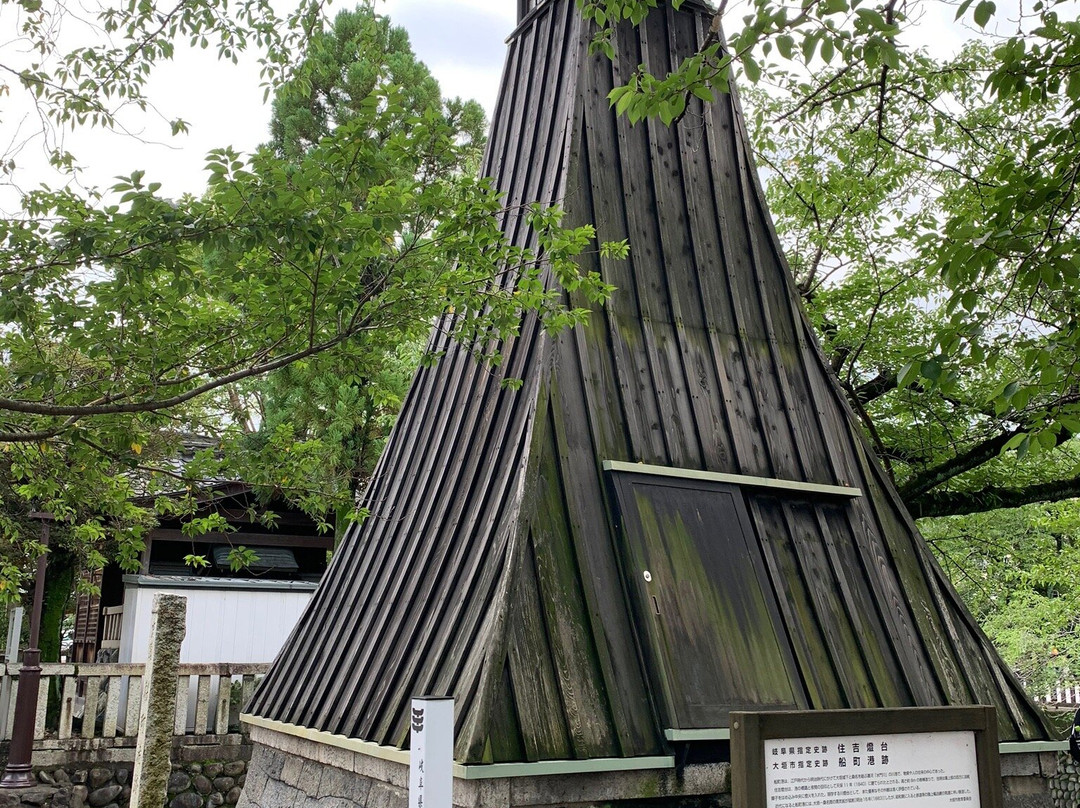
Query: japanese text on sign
(913, 770)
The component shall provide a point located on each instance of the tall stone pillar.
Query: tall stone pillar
(157, 714)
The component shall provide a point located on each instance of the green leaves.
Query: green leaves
(699, 77)
(936, 250)
(751, 68)
(132, 324)
(241, 558)
(983, 12)
(606, 14)
(861, 36)
(122, 43)
(1018, 570)
(197, 562)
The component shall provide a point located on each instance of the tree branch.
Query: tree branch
(949, 503)
(875, 388)
(85, 410)
(41, 435)
(921, 484)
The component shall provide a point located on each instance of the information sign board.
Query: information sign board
(907, 770)
(913, 758)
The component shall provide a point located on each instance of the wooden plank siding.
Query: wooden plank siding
(490, 568)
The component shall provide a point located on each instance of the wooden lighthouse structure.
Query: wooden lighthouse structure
(676, 516)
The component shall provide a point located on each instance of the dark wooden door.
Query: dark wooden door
(703, 607)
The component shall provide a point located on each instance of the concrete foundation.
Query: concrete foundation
(288, 770)
(1027, 780)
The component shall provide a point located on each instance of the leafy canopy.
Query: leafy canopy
(130, 322)
(1018, 570)
(345, 402)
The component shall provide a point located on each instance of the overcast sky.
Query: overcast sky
(462, 41)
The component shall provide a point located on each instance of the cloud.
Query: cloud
(462, 35)
(462, 41)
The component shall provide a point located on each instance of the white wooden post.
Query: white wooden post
(431, 753)
(15, 620)
(11, 656)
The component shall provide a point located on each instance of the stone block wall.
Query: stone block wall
(1065, 787)
(1026, 779)
(284, 770)
(206, 785)
(287, 770)
(105, 786)
(203, 784)
(203, 776)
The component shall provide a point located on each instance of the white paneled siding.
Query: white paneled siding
(228, 620)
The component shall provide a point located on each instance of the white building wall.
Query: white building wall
(227, 620)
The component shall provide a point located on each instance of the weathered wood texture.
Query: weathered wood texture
(417, 599)
(496, 566)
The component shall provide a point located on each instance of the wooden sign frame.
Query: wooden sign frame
(749, 731)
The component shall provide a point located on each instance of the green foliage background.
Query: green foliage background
(1019, 572)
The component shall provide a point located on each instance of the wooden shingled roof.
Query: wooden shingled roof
(674, 517)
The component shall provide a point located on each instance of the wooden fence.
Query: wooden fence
(1062, 697)
(101, 702)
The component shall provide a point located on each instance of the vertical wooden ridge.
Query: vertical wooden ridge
(414, 593)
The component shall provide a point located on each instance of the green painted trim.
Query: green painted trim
(1031, 747)
(736, 479)
(711, 734)
(465, 772)
(541, 768)
(391, 753)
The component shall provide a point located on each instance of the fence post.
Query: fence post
(15, 621)
(152, 765)
(11, 657)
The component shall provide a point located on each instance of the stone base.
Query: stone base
(207, 783)
(37, 797)
(287, 770)
(74, 787)
(1026, 780)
